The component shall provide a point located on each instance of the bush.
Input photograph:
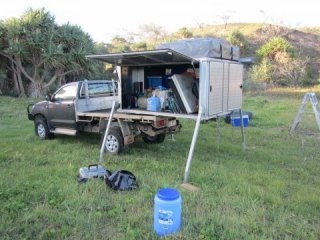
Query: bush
(183, 33)
(279, 65)
(290, 71)
(274, 46)
(237, 38)
(139, 46)
(261, 72)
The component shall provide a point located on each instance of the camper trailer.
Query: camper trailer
(185, 75)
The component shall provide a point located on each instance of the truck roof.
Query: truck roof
(95, 80)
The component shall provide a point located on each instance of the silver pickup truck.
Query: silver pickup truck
(84, 106)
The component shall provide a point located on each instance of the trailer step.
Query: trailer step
(65, 131)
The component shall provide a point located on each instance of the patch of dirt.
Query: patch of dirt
(308, 133)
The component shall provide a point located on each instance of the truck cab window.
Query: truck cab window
(66, 93)
(98, 89)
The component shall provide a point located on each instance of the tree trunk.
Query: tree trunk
(17, 80)
(36, 84)
(22, 91)
(15, 83)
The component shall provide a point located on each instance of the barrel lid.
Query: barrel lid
(168, 194)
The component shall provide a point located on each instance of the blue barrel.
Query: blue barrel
(167, 211)
(154, 104)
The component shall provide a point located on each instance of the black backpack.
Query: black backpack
(121, 180)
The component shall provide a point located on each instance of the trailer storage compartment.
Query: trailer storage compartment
(172, 84)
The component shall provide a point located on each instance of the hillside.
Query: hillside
(305, 40)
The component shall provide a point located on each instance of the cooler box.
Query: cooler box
(154, 81)
(235, 121)
(92, 171)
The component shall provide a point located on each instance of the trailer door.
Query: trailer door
(235, 86)
(215, 88)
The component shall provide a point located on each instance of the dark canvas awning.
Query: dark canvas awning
(145, 58)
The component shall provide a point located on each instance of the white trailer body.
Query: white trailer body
(220, 81)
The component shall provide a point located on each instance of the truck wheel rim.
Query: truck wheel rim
(41, 131)
(112, 143)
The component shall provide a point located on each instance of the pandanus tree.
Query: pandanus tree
(41, 52)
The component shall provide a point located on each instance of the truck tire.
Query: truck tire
(115, 143)
(154, 139)
(41, 128)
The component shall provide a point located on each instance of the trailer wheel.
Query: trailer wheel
(154, 139)
(114, 143)
(41, 128)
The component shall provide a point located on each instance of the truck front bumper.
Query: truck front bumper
(30, 116)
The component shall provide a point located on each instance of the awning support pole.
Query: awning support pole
(193, 143)
(242, 132)
(107, 132)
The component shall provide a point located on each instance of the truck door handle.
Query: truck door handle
(210, 88)
(69, 105)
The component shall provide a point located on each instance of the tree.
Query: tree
(152, 33)
(4, 62)
(8, 61)
(139, 46)
(41, 52)
(273, 47)
(102, 48)
(119, 44)
(237, 38)
(280, 64)
(183, 33)
(225, 17)
(68, 58)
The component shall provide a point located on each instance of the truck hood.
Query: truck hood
(39, 107)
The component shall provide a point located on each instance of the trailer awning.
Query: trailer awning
(145, 58)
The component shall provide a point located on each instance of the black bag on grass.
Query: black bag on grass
(121, 180)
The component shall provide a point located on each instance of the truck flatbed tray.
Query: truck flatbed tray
(164, 114)
(135, 114)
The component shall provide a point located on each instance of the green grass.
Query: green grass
(270, 191)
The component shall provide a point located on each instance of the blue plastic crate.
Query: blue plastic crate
(154, 81)
(235, 121)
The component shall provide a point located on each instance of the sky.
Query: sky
(103, 19)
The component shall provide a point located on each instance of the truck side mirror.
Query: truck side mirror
(48, 97)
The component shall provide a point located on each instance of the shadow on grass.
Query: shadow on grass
(91, 139)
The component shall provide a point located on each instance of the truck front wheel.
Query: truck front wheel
(114, 142)
(154, 139)
(41, 128)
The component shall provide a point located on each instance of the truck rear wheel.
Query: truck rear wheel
(154, 139)
(114, 142)
(41, 128)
